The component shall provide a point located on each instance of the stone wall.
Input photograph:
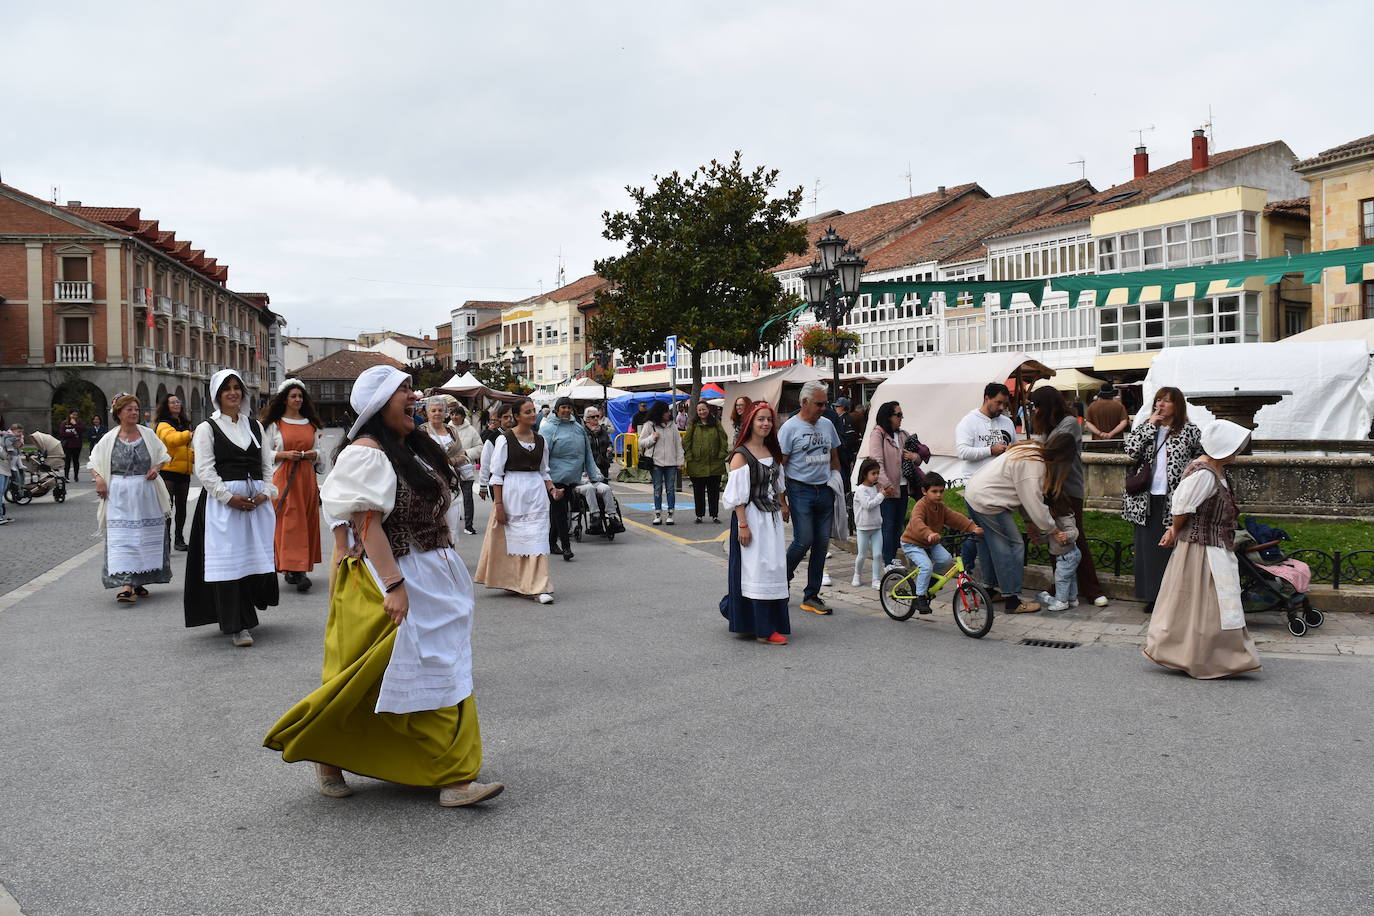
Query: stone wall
(1337, 486)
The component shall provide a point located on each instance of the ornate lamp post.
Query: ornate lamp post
(517, 365)
(832, 287)
(603, 355)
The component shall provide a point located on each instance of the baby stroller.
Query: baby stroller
(588, 515)
(1266, 575)
(39, 478)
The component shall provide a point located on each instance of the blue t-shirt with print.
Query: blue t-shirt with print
(808, 446)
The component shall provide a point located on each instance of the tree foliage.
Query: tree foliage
(698, 252)
(497, 374)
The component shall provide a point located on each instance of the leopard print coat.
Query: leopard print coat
(1179, 451)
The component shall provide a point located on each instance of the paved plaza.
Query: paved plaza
(655, 764)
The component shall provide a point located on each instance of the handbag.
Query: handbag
(646, 461)
(1142, 472)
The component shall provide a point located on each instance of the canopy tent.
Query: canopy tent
(460, 384)
(936, 392)
(584, 389)
(1331, 381)
(712, 390)
(782, 389)
(1070, 380)
(480, 391)
(621, 410)
(1341, 330)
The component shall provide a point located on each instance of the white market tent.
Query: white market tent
(782, 389)
(1331, 381)
(1362, 330)
(936, 392)
(463, 384)
(1071, 380)
(584, 389)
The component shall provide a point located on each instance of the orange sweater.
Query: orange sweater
(929, 518)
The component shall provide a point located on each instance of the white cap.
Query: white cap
(1222, 439)
(371, 391)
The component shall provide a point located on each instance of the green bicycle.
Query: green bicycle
(972, 603)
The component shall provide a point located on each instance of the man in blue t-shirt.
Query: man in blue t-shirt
(809, 453)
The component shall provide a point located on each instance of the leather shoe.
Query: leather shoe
(567, 553)
(474, 793)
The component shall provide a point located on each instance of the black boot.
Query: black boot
(303, 582)
(181, 543)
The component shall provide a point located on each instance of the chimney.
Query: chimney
(1199, 150)
(1142, 162)
(941, 189)
(73, 203)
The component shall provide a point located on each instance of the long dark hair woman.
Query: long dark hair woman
(755, 602)
(292, 426)
(174, 428)
(231, 572)
(660, 440)
(396, 702)
(705, 447)
(886, 439)
(1050, 417)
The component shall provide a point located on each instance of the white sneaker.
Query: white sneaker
(891, 566)
(1101, 601)
(828, 554)
(877, 584)
(243, 639)
(1051, 603)
(658, 519)
(855, 581)
(825, 580)
(545, 598)
(670, 519)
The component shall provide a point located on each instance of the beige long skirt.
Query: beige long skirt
(498, 569)
(1185, 629)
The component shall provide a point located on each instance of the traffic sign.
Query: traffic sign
(671, 349)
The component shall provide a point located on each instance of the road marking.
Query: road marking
(8, 905)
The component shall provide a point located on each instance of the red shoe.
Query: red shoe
(776, 639)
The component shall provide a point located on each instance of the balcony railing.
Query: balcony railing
(139, 297)
(72, 290)
(185, 364)
(182, 312)
(162, 305)
(75, 354)
(146, 356)
(165, 361)
(197, 318)
(250, 379)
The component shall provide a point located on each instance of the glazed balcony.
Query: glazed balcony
(73, 291)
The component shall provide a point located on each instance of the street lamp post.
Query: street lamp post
(832, 288)
(602, 355)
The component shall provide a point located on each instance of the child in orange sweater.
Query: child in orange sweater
(921, 539)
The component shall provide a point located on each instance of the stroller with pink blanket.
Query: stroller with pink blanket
(1270, 580)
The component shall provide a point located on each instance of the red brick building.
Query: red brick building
(95, 301)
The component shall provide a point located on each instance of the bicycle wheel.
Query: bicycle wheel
(898, 600)
(972, 609)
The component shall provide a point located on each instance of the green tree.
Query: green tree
(697, 256)
(497, 374)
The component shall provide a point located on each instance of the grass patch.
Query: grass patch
(1307, 533)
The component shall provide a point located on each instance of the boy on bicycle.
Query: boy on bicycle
(921, 539)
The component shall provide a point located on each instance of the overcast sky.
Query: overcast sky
(373, 164)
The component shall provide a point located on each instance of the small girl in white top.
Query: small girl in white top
(868, 521)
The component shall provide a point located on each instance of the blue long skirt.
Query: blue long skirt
(750, 615)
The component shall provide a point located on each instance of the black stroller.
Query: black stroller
(592, 518)
(1257, 547)
(39, 478)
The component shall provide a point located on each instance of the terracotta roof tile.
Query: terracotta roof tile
(574, 291)
(410, 340)
(485, 326)
(871, 226)
(1139, 189)
(959, 235)
(1299, 208)
(486, 304)
(345, 364)
(1352, 150)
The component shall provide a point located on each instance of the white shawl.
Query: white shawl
(100, 463)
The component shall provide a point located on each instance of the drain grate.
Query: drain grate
(1050, 643)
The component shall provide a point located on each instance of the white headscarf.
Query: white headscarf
(371, 392)
(1222, 439)
(287, 383)
(216, 383)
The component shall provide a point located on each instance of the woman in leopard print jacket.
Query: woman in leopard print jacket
(1175, 442)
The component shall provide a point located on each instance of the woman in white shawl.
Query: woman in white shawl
(134, 503)
(515, 554)
(231, 567)
(1198, 625)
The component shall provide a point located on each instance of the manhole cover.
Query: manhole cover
(1050, 643)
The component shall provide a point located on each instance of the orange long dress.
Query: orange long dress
(297, 540)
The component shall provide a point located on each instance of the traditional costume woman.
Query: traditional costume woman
(133, 515)
(515, 555)
(231, 571)
(294, 445)
(396, 701)
(1198, 625)
(755, 603)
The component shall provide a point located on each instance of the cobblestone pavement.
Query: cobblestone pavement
(45, 532)
(1123, 623)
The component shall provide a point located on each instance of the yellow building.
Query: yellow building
(1212, 227)
(1342, 193)
(550, 332)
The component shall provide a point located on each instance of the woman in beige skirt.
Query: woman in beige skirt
(1199, 625)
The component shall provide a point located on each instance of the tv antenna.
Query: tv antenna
(562, 277)
(1211, 140)
(907, 176)
(1082, 167)
(816, 198)
(1140, 134)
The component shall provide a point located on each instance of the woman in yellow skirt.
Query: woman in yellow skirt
(396, 699)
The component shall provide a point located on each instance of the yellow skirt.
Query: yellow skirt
(336, 724)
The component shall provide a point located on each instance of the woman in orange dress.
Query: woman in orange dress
(292, 428)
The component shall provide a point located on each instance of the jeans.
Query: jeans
(1005, 551)
(468, 508)
(870, 544)
(1066, 575)
(4, 488)
(893, 511)
(706, 492)
(926, 559)
(813, 510)
(665, 479)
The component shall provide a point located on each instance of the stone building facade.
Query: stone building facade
(1341, 183)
